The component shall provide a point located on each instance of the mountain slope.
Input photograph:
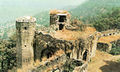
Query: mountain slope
(94, 7)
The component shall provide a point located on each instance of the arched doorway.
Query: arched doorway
(46, 53)
(85, 55)
(61, 26)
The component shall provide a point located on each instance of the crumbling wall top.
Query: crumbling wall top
(26, 19)
(110, 31)
(59, 12)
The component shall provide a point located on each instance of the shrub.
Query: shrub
(115, 50)
(110, 20)
(7, 54)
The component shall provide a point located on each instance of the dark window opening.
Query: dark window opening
(57, 59)
(65, 71)
(68, 54)
(49, 54)
(102, 46)
(25, 28)
(62, 18)
(104, 35)
(47, 64)
(46, 53)
(61, 26)
(77, 63)
(25, 45)
(85, 56)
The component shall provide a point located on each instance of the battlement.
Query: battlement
(110, 32)
(53, 12)
(26, 19)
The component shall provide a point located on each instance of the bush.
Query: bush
(110, 20)
(7, 54)
(115, 50)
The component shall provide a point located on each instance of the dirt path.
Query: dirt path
(104, 62)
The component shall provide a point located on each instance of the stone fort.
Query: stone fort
(65, 47)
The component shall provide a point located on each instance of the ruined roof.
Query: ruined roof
(59, 12)
(74, 35)
(26, 19)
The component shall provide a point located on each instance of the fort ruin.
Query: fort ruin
(59, 18)
(63, 51)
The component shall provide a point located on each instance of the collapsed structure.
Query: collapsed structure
(59, 18)
(64, 51)
(106, 39)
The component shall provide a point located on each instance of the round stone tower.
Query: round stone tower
(25, 29)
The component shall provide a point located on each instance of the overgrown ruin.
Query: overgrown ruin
(62, 51)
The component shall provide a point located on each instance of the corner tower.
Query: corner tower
(25, 30)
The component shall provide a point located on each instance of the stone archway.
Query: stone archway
(61, 26)
(46, 53)
(85, 55)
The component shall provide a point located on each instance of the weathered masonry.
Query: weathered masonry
(60, 18)
(25, 29)
(106, 39)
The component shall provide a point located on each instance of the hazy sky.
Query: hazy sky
(41, 3)
(10, 9)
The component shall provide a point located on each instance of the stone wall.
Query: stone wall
(52, 65)
(46, 44)
(107, 45)
(76, 50)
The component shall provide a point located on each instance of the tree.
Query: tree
(110, 20)
(7, 53)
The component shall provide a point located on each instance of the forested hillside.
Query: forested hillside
(94, 8)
